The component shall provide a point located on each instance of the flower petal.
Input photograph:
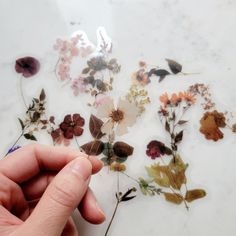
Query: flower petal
(107, 127)
(130, 111)
(121, 128)
(105, 109)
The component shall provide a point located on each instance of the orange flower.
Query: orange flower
(187, 97)
(164, 98)
(175, 99)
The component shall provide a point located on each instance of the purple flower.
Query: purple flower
(27, 66)
(12, 149)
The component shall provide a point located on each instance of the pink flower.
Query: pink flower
(102, 99)
(78, 86)
(63, 71)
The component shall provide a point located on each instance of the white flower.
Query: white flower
(122, 117)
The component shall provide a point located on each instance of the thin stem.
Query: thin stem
(55, 68)
(130, 177)
(77, 143)
(118, 182)
(22, 133)
(112, 218)
(22, 93)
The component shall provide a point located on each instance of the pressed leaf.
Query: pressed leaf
(42, 95)
(36, 116)
(30, 137)
(174, 198)
(179, 136)
(52, 119)
(122, 149)
(22, 124)
(108, 150)
(167, 126)
(93, 148)
(121, 159)
(86, 70)
(95, 125)
(175, 67)
(159, 72)
(160, 174)
(112, 61)
(181, 122)
(194, 194)
(105, 161)
(125, 199)
(36, 100)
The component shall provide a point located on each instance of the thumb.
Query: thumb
(61, 197)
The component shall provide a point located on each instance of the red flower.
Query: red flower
(27, 66)
(156, 149)
(72, 126)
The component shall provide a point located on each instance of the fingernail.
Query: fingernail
(96, 159)
(81, 166)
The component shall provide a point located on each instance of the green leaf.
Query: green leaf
(105, 161)
(30, 137)
(22, 124)
(121, 159)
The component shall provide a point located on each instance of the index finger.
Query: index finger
(28, 161)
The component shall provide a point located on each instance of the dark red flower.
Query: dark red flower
(72, 126)
(27, 66)
(156, 149)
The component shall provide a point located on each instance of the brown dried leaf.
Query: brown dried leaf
(181, 122)
(122, 149)
(210, 123)
(93, 148)
(194, 194)
(95, 125)
(42, 95)
(179, 136)
(86, 70)
(174, 198)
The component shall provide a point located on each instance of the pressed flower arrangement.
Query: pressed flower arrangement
(114, 118)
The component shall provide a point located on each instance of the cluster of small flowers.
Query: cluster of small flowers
(67, 50)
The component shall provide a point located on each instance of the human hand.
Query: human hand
(40, 186)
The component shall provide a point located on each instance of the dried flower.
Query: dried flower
(234, 128)
(141, 77)
(12, 149)
(27, 66)
(102, 99)
(165, 99)
(175, 99)
(72, 126)
(123, 116)
(117, 167)
(78, 86)
(210, 124)
(156, 149)
(58, 137)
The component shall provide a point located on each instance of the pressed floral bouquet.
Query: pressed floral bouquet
(111, 119)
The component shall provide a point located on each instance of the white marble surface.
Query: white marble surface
(199, 34)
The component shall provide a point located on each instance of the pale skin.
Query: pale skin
(41, 186)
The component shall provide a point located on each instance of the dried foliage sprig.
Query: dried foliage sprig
(171, 176)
